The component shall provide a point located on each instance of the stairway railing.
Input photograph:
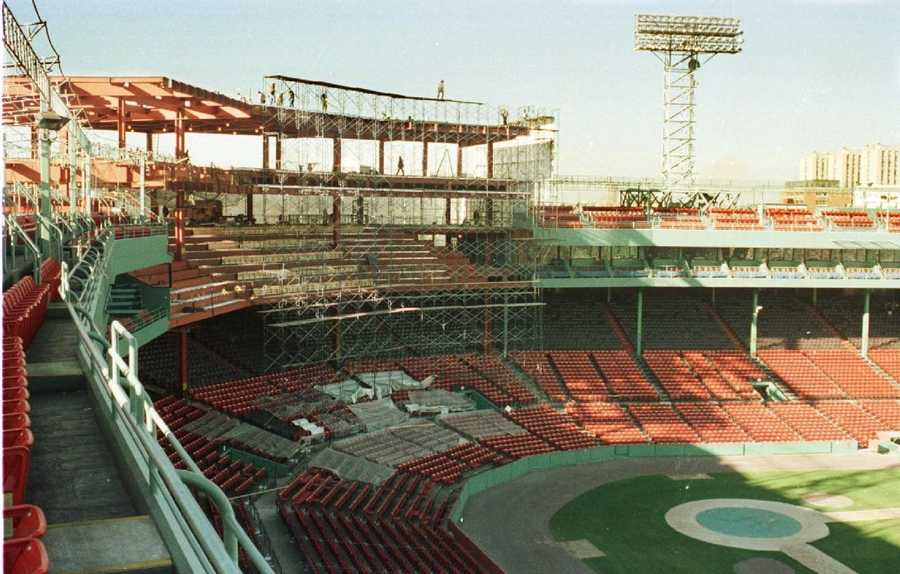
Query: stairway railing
(194, 544)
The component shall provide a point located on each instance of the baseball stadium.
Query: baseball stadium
(406, 342)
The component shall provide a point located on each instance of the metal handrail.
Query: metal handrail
(142, 421)
(14, 226)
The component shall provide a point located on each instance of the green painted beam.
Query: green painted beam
(709, 282)
(719, 238)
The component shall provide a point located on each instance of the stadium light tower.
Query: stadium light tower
(680, 42)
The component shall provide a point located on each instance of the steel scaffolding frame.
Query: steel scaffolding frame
(371, 325)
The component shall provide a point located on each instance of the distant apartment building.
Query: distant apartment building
(875, 165)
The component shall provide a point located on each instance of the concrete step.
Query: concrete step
(116, 545)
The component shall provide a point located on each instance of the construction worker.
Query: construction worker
(290, 98)
(440, 90)
(400, 166)
(324, 99)
(504, 115)
(262, 97)
(280, 100)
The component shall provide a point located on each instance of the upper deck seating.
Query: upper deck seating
(850, 219)
(624, 217)
(678, 218)
(558, 216)
(793, 219)
(735, 218)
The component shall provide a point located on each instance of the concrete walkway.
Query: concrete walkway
(510, 522)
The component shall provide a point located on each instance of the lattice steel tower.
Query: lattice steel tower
(679, 42)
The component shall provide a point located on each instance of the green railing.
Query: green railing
(127, 410)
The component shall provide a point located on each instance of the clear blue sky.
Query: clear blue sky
(814, 74)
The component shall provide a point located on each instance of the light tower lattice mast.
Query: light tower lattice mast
(679, 42)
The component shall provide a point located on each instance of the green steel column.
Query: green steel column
(639, 348)
(815, 297)
(753, 322)
(86, 185)
(142, 192)
(865, 324)
(44, 207)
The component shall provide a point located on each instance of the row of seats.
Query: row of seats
(734, 421)
(449, 466)
(701, 375)
(454, 373)
(558, 429)
(828, 374)
(537, 365)
(232, 476)
(24, 308)
(240, 396)
(399, 526)
(24, 524)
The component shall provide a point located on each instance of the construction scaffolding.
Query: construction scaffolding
(355, 326)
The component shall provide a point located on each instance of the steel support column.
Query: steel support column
(45, 208)
(149, 146)
(753, 322)
(72, 181)
(639, 343)
(865, 323)
(381, 157)
(120, 122)
(142, 191)
(278, 152)
(490, 160)
(265, 152)
(180, 145)
(336, 155)
(424, 158)
(336, 219)
(459, 161)
(179, 224)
